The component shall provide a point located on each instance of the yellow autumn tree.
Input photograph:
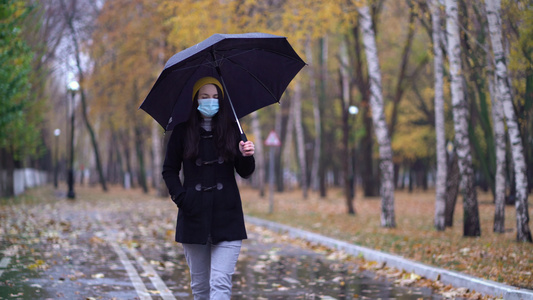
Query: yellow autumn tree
(128, 49)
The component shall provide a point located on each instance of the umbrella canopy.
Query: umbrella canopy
(255, 69)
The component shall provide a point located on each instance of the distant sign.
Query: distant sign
(272, 139)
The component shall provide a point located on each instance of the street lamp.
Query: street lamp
(353, 110)
(57, 132)
(72, 87)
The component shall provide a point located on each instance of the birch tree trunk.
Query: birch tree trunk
(402, 82)
(139, 150)
(298, 126)
(345, 103)
(259, 154)
(498, 122)
(287, 155)
(159, 145)
(523, 233)
(378, 117)
(125, 136)
(471, 226)
(316, 115)
(442, 170)
(452, 188)
(157, 164)
(499, 143)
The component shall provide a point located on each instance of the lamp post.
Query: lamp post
(57, 132)
(73, 87)
(353, 110)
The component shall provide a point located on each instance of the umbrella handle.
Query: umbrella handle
(243, 136)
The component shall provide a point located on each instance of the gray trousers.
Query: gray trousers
(212, 267)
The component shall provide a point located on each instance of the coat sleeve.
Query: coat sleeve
(244, 165)
(172, 166)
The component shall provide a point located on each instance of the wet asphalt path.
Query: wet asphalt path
(125, 250)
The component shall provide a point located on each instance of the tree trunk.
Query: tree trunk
(93, 138)
(7, 170)
(345, 104)
(411, 178)
(322, 104)
(259, 174)
(369, 180)
(499, 143)
(278, 127)
(111, 170)
(498, 122)
(315, 181)
(139, 149)
(158, 157)
(523, 233)
(367, 142)
(475, 85)
(119, 165)
(528, 107)
(299, 129)
(452, 188)
(402, 76)
(528, 110)
(440, 182)
(471, 226)
(128, 182)
(378, 116)
(288, 144)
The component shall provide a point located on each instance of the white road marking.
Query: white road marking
(132, 273)
(4, 263)
(136, 280)
(158, 283)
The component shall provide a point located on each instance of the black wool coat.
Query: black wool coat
(209, 201)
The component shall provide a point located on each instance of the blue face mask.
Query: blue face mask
(208, 107)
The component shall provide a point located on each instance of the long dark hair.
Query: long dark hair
(223, 130)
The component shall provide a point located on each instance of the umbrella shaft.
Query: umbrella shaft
(243, 135)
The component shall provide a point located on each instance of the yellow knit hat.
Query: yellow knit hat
(203, 81)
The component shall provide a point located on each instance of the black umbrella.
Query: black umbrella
(255, 68)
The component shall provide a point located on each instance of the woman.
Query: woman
(210, 219)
